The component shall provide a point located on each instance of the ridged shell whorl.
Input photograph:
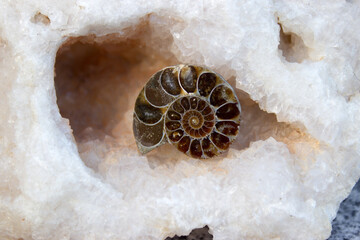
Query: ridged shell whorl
(191, 107)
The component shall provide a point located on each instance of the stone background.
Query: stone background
(346, 225)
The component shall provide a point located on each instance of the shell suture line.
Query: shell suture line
(162, 87)
(153, 104)
(149, 124)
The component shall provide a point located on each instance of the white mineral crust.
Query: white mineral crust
(294, 160)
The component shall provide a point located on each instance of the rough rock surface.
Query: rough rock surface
(69, 164)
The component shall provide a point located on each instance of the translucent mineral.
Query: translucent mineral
(70, 73)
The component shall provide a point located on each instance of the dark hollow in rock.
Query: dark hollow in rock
(195, 234)
(40, 18)
(292, 46)
(97, 78)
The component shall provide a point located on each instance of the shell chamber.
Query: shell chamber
(191, 107)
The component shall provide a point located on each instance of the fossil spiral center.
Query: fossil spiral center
(195, 119)
(194, 122)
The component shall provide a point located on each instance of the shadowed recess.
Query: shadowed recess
(292, 46)
(195, 234)
(98, 78)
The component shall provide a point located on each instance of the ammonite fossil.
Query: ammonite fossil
(191, 107)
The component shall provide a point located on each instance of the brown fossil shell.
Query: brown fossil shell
(191, 107)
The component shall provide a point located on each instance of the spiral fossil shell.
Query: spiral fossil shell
(191, 107)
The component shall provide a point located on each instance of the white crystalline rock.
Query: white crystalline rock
(284, 177)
